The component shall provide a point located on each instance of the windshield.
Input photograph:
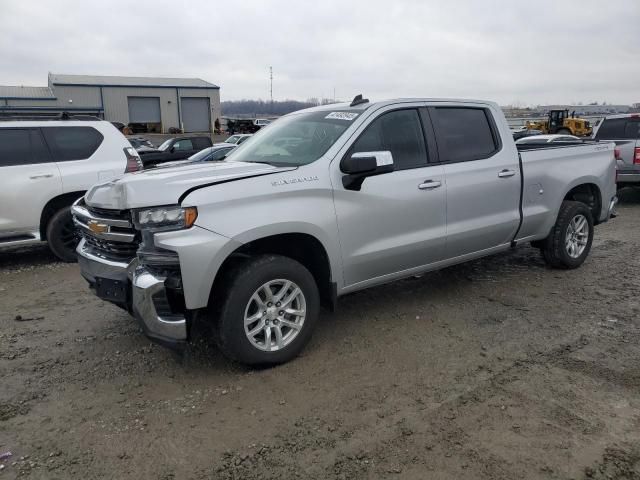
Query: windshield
(201, 155)
(232, 139)
(295, 140)
(165, 145)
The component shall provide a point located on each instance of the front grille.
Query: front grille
(108, 233)
(110, 249)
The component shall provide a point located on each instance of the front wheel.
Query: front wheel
(569, 242)
(268, 311)
(62, 236)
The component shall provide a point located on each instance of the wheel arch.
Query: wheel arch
(588, 193)
(55, 204)
(302, 247)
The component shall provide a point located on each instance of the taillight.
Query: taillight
(636, 156)
(134, 164)
(616, 153)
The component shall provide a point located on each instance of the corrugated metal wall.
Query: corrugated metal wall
(116, 106)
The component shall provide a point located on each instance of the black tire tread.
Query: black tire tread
(59, 250)
(553, 249)
(225, 299)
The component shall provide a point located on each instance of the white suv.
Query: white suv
(46, 165)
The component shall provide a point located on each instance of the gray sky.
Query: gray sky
(526, 52)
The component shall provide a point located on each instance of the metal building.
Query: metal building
(147, 103)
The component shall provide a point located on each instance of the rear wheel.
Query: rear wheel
(62, 236)
(268, 312)
(564, 131)
(569, 242)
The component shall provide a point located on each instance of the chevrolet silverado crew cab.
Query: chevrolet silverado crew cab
(45, 166)
(359, 195)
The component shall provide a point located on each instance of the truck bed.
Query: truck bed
(550, 171)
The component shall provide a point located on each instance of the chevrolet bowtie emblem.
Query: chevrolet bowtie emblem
(97, 227)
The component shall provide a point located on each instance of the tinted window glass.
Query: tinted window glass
(218, 154)
(15, 147)
(182, 145)
(632, 129)
(200, 143)
(463, 134)
(72, 143)
(399, 132)
(612, 129)
(39, 149)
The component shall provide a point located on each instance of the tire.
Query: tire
(61, 235)
(564, 131)
(238, 302)
(559, 251)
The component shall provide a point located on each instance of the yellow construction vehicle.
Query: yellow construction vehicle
(559, 121)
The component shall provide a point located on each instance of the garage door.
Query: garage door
(144, 109)
(195, 114)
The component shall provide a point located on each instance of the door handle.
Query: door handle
(429, 185)
(506, 173)
(41, 175)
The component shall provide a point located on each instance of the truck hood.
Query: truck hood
(164, 186)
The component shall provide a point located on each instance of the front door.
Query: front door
(397, 220)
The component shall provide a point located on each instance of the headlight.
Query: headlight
(176, 217)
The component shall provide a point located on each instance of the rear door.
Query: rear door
(29, 180)
(396, 221)
(483, 179)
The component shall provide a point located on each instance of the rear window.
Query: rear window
(72, 143)
(22, 147)
(464, 133)
(618, 128)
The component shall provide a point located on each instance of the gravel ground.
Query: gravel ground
(497, 369)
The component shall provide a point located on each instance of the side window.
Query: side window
(72, 143)
(218, 154)
(201, 143)
(612, 129)
(632, 129)
(182, 145)
(15, 147)
(399, 132)
(464, 133)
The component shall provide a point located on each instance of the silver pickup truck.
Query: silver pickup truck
(624, 130)
(327, 201)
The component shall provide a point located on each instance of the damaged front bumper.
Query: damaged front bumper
(153, 296)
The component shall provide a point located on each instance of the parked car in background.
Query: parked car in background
(548, 139)
(261, 122)
(45, 166)
(177, 148)
(212, 154)
(371, 192)
(624, 130)
(142, 144)
(237, 139)
(119, 125)
(524, 132)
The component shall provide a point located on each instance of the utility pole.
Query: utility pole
(271, 83)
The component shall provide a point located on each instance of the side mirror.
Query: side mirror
(361, 165)
(172, 149)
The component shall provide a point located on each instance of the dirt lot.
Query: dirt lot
(501, 368)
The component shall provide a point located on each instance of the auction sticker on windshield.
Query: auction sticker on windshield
(348, 116)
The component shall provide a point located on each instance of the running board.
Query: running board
(22, 239)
